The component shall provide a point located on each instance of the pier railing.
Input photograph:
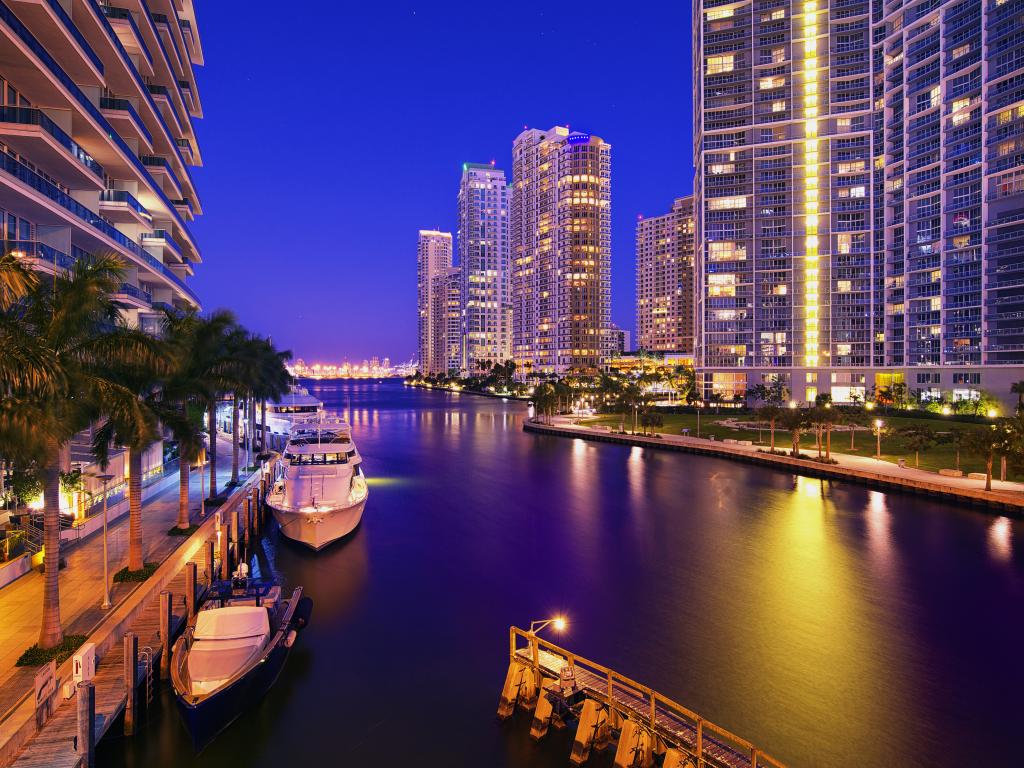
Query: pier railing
(676, 726)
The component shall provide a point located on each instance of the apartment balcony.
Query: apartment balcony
(52, 26)
(132, 296)
(123, 23)
(37, 256)
(31, 133)
(184, 207)
(162, 171)
(121, 207)
(160, 238)
(123, 116)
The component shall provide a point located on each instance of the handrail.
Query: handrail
(642, 692)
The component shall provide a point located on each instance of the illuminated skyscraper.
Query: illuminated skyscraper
(561, 251)
(664, 280)
(858, 195)
(433, 260)
(483, 246)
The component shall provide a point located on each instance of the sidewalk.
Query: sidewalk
(81, 582)
(845, 461)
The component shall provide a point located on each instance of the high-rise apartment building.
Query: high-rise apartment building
(859, 189)
(97, 105)
(448, 321)
(561, 251)
(483, 245)
(433, 260)
(664, 280)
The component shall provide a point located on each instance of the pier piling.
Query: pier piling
(225, 556)
(191, 596)
(165, 633)
(87, 724)
(131, 666)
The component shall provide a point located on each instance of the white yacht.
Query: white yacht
(298, 406)
(320, 493)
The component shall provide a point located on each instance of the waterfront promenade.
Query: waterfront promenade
(1005, 495)
(81, 581)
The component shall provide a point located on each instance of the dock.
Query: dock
(133, 644)
(608, 708)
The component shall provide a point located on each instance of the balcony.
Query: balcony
(160, 238)
(161, 169)
(123, 23)
(121, 206)
(31, 133)
(122, 114)
(184, 206)
(132, 296)
(38, 256)
(53, 27)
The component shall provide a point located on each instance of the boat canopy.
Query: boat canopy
(231, 623)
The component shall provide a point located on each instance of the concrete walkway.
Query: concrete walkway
(846, 461)
(81, 582)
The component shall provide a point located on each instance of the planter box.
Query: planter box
(977, 475)
(954, 473)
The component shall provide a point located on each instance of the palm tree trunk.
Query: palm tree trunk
(183, 516)
(853, 431)
(957, 459)
(234, 440)
(211, 416)
(263, 426)
(52, 633)
(988, 472)
(135, 509)
(828, 443)
(773, 435)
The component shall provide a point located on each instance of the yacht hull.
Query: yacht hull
(318, 529)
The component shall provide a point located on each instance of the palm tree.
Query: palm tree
(983, 443)
(770, 413)
(1017, 388)
(795, 421)
(72, 323)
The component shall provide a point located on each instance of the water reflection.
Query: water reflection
(752, 596)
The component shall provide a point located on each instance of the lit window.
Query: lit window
(726, 203)
(720, 13)
(717, 169)
(961, 50)
(843, 286)
(778, 106)
(718, 64)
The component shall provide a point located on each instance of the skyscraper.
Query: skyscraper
(483, 246)
(97, 143)
(448, 317)
(858, 195)
(664, 280)
(561, 251)
(433, 259)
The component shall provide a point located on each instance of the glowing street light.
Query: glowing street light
(878, 438)
(558, 623)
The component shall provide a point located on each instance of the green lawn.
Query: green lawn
(937, 457)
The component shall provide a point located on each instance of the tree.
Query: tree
(795, 421)
(72, 324)
(958, 439)
(1017, 388)
(917, 439)
(771, 414)
(983, 443)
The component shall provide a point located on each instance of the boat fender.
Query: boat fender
(289, 639)
(303, 612)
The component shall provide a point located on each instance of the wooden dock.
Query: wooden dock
(55, 745)
(561, 686)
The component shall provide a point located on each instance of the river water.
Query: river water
(830, 624)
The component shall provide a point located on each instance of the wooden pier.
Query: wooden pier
(134, 640)
(560, 686)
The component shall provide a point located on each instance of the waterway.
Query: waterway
(830, 624)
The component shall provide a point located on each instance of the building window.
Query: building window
(719, 64)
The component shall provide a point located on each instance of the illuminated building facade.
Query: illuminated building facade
(483, 246)
(664, 280)
(433, 260)
(561, 251)
(448, 319)
(858, 193)
(97, 105)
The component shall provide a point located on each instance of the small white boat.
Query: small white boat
(321, 492)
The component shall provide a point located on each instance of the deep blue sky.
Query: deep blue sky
(333, 131)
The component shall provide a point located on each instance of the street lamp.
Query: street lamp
(878, 438)
(558, 623)
(105, 605)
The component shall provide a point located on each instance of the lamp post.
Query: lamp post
(558, 623)
(878, 438)
(105, 605)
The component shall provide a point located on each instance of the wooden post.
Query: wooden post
(233, 522)
(225, 556)
(653, 711)
(131, 666)
(248, 517)
(753, 757)
(191, 597)
(700, 742)
(165, 633)
(210, 563)
(87, 723)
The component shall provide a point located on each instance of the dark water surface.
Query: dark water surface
(830, 624)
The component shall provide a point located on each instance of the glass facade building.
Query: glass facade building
(664, 280)
(859, 195)
(433, 264)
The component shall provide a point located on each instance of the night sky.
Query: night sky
(334, 131)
